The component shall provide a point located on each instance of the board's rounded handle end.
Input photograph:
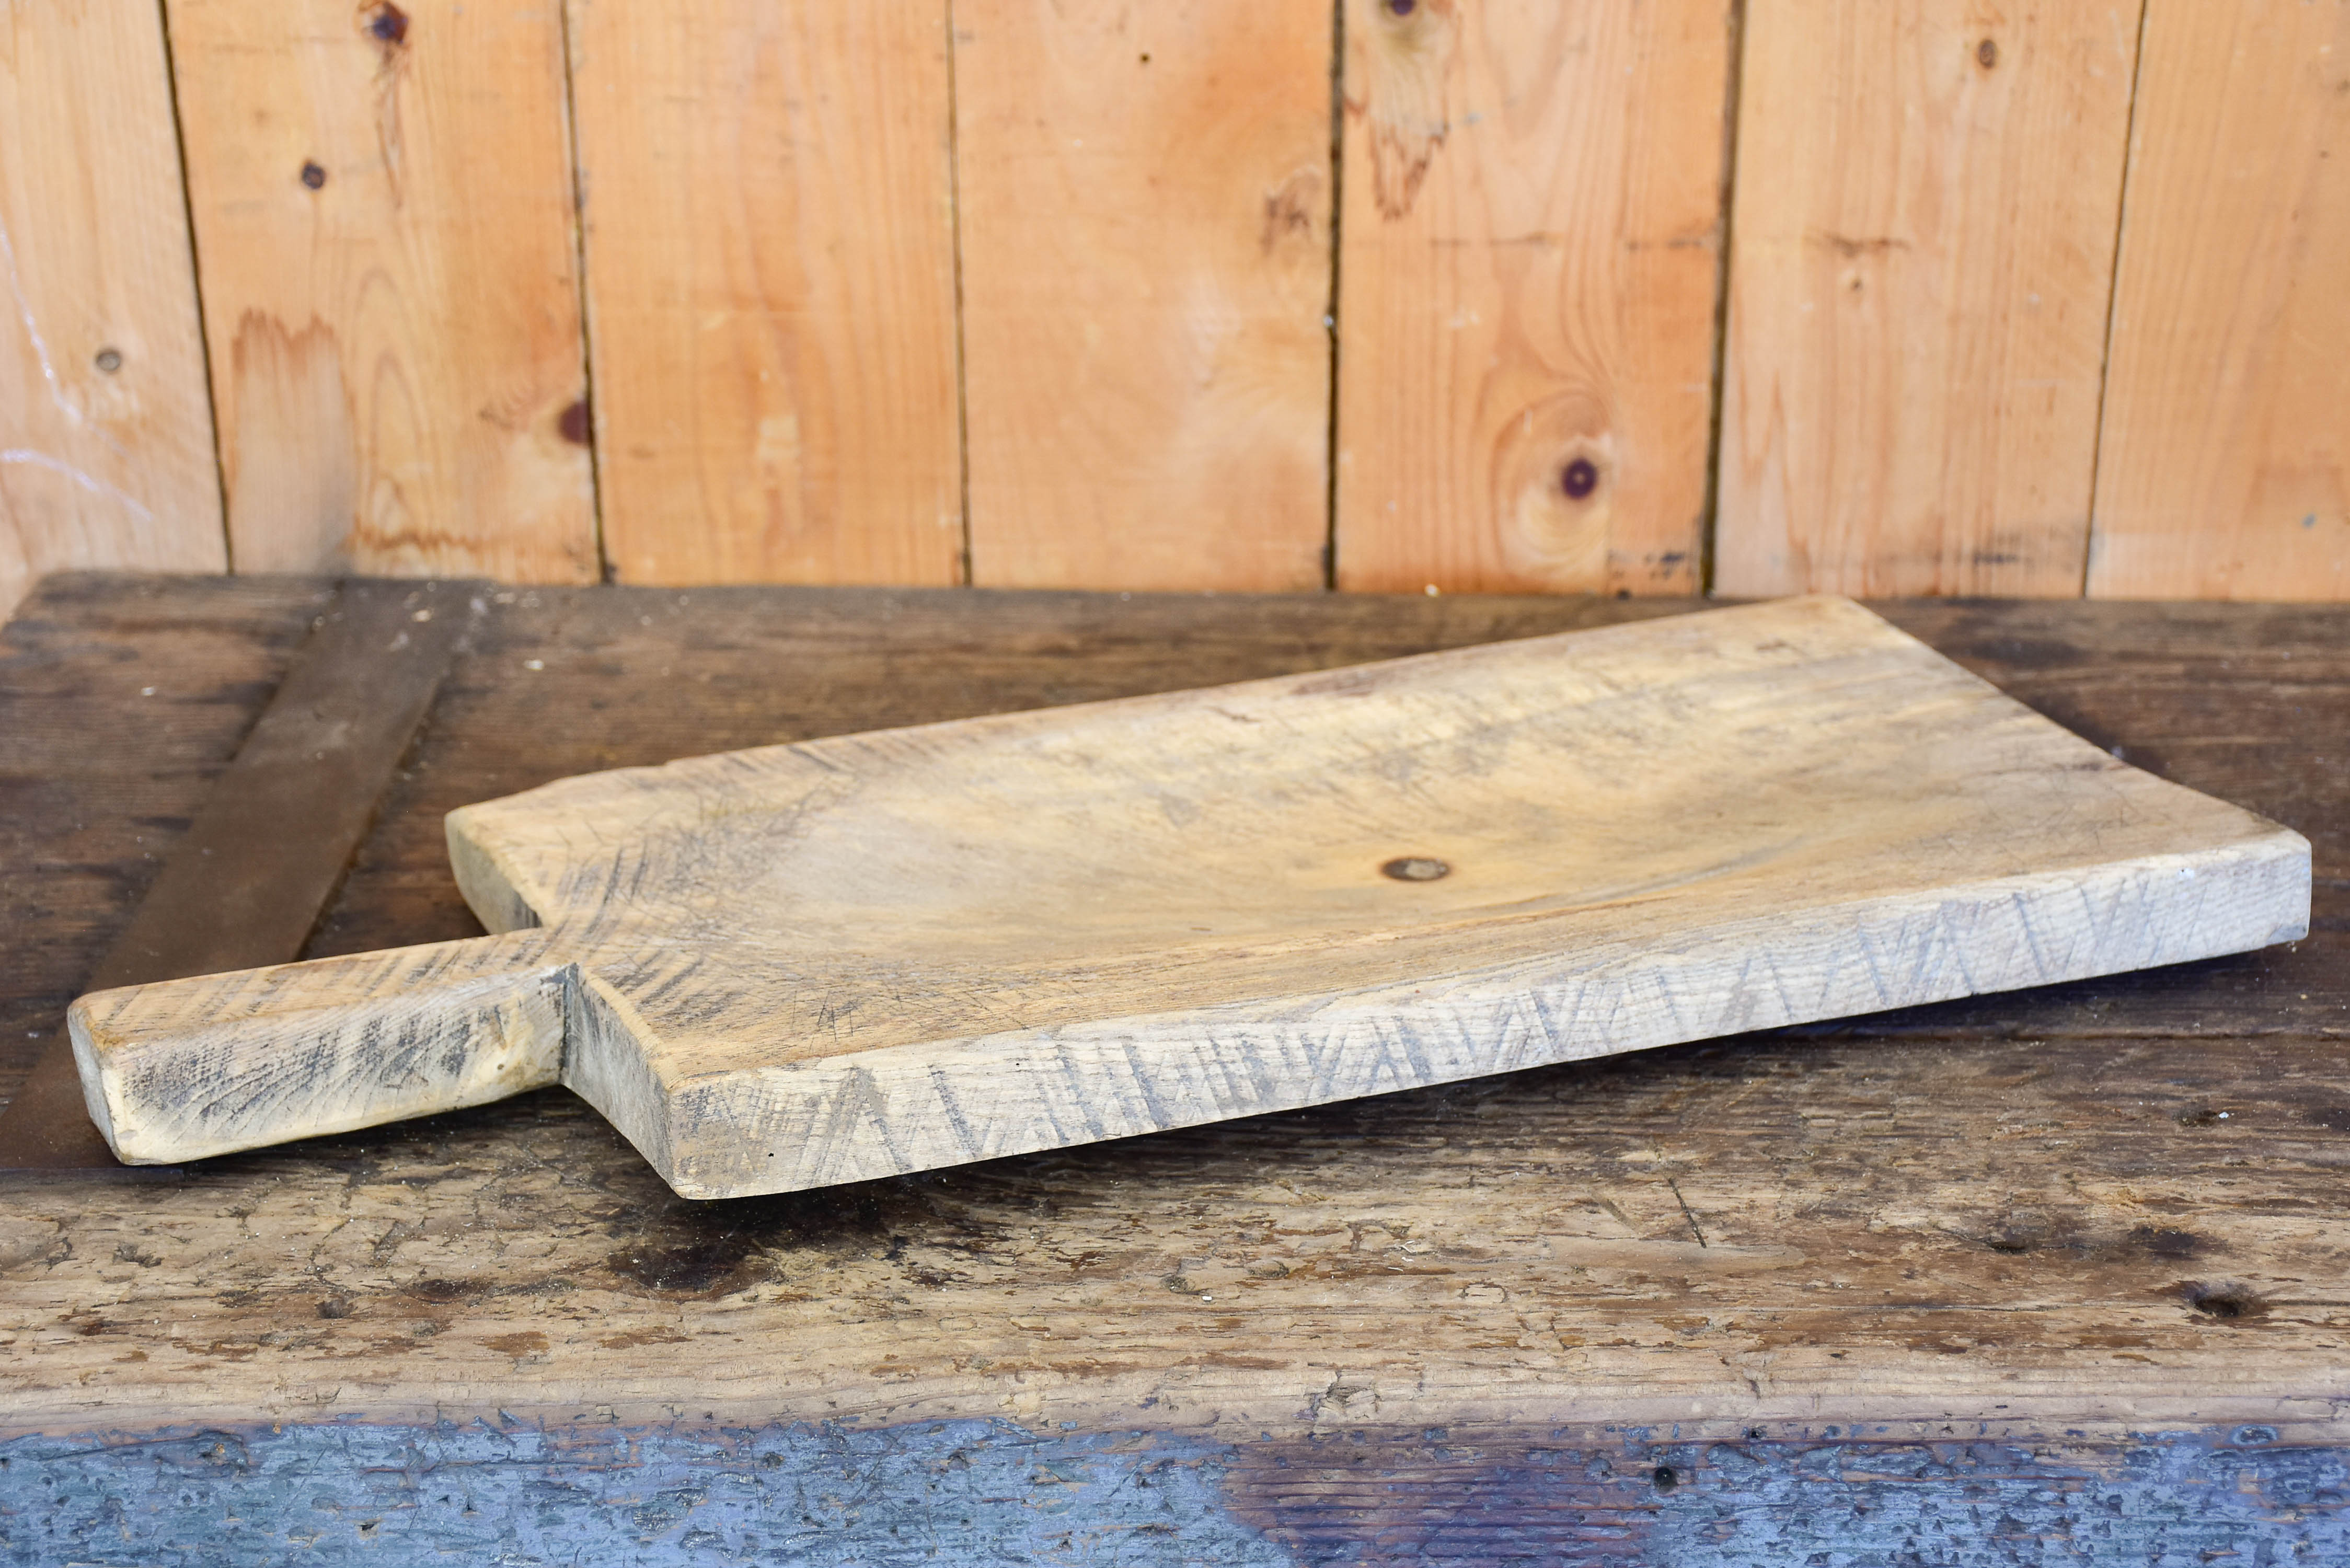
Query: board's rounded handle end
(187, 1068)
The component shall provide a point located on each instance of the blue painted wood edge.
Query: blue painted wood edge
(522, 1494)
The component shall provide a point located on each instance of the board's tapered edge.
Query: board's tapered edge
(900, 1110)
(99, 1082)
(486, 877)
(605, 1064)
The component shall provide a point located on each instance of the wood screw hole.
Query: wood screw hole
(1665, 1477)
(1987, 53)
(1402, 7)
(312, 176)
(110, 360)
(1415, 869)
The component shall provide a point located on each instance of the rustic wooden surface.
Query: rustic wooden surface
(1527, 273)
(797, 966)
(2052, 1273)
(106, 427)
(245, 884)
(1143, 198)
(2225, 468)
(383, 217)
(1922, 254)
(88, 811)
(768, 231)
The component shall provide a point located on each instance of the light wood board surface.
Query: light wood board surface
(106, 427)
(382, 205)
(2225, 468)
(1144, 197)
(1921, 259)
(855, 957)
(1527, 278)
(771, 290)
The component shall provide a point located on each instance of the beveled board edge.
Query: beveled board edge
(855, 1117)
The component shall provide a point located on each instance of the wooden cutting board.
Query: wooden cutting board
(878, 953)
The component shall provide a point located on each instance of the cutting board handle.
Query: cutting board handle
(187, 1068)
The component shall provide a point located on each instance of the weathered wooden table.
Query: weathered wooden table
(2054, 1277)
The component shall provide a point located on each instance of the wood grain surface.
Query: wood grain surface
(382, 204)
(2052, 1270)
(1922, 258)
(1144, 199)
(106, 427)
(805, 965)
(245, 884)
(770, 251)
(1782, 1231)
(125, 698)
(1063, 295)
(1527, 277)
(2225, 468)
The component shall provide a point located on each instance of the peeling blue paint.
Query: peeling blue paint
(989, 1492)
(946, 1492)
(1629, 1497)
(2180, 1501)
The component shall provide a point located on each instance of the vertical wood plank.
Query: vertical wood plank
(2224, 472)
(771, 288)
(1145, 212)
(105, 430)
(382, 203)
(1529, 254)
(1922, 260)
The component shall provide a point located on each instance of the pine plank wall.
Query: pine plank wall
(1657, 296)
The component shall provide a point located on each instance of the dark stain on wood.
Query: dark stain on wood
(715, 1266)
(438, 1291)
(1396, 79)
(1295, 210)
(388, 24)
(2226, 1300)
